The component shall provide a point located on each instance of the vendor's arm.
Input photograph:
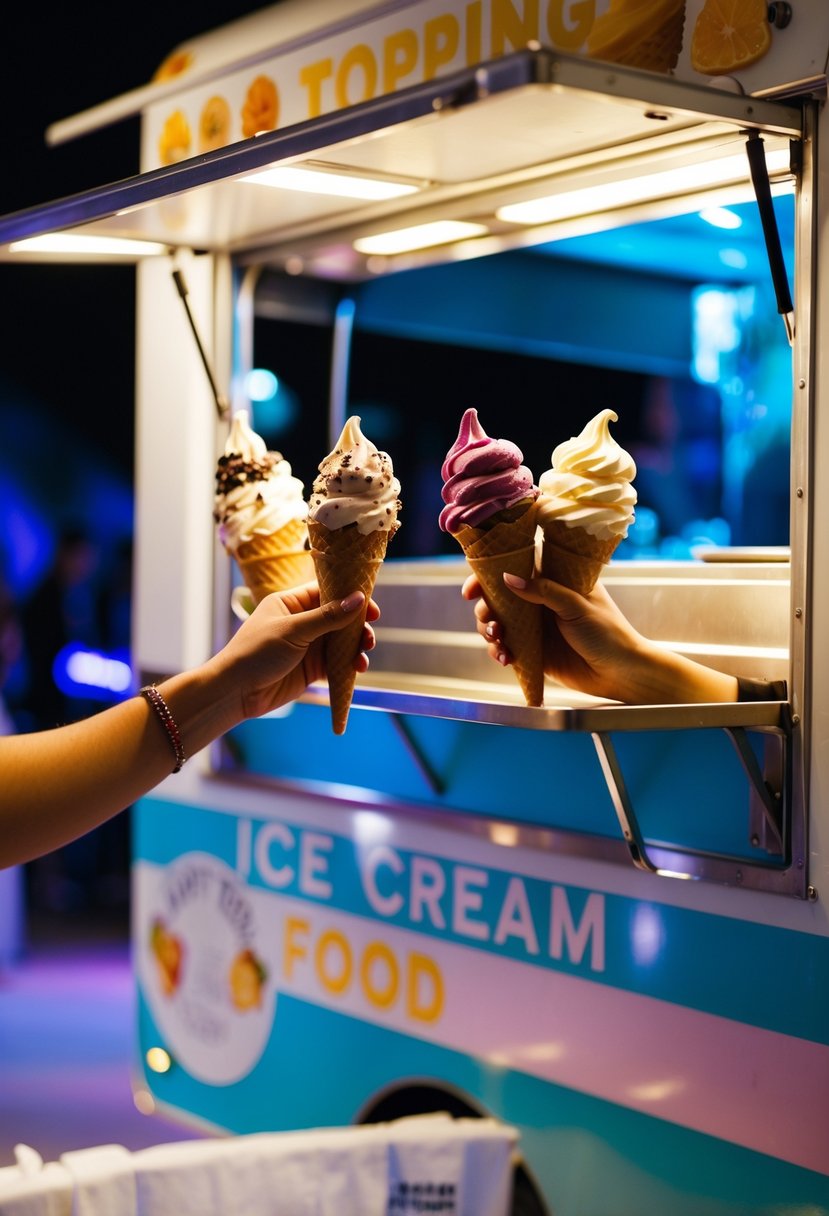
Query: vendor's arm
(55, 785)
(590, 645)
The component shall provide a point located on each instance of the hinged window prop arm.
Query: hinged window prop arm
(762, 189)
(222, 404)
(766, 827)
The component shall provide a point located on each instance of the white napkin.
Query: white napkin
(281, 1174)
(30, 1188)
(462, 1167)
(455, 1167)
(103, 1180)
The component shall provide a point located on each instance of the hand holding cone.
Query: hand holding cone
(352, 516)
(490, 509)
(509, 548)
(345, 561)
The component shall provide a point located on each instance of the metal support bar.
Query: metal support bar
(770, 801)
(762, 189)
(432, 779)
(222, 404)
(621, 801)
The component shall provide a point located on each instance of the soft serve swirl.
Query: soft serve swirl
(481, 476)
(356, 485)
(589, 484)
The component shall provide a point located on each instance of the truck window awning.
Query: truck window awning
(530, 125)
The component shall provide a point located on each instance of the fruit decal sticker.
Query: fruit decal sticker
(169, 954)
(729, 35)
(174, 65)
(261, 108)
(247, 977)
(259, 112)
(174, 144)
(214, 124)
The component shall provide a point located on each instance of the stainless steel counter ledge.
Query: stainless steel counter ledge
(563, 710)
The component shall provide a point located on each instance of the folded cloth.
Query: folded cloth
(103, 1180)
(262, 1174)
(30, 1188)
(429, 1163)
(458, 1167)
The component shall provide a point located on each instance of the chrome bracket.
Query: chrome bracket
(766, 829)
(767, 800)
(620, 798)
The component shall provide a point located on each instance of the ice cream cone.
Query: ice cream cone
(574, 558)
(508, 547)
(345, 560)
(276, 562)
(659, 52)
(640, 34)
(586, 504)
(259, 510)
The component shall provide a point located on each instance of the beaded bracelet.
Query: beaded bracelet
(168, 721)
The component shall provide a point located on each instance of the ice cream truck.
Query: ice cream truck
(601, 923)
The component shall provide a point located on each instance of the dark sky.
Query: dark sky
(66, 342)
(68, 58)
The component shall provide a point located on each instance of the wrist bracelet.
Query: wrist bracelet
(168, 721)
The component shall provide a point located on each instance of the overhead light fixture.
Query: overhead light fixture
(422, 236)
(325, 181)
(611, 195)
(69, 242)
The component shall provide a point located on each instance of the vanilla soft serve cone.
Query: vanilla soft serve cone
(586, 505)
(490, 502)
(352, 516)
(260, 513)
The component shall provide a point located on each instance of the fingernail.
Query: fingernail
(515, 580)
(352, 601)
(502, 658)
(490, 630)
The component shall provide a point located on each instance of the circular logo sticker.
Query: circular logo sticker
(203, 971)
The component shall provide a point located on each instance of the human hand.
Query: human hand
(590, 645)
(279, 650)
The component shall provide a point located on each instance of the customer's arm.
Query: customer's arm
(591, 646)
(55, 785)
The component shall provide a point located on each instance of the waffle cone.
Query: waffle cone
(573, 557)
(654, 44)
(509, 548)
(276, 562)
(345, 561)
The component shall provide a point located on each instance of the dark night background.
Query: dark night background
(66, 351)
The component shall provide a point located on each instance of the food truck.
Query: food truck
(603, 924)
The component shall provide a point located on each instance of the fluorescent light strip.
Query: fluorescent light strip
(404, 240)
(317, 181)
(68, 242)
(611, 195)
